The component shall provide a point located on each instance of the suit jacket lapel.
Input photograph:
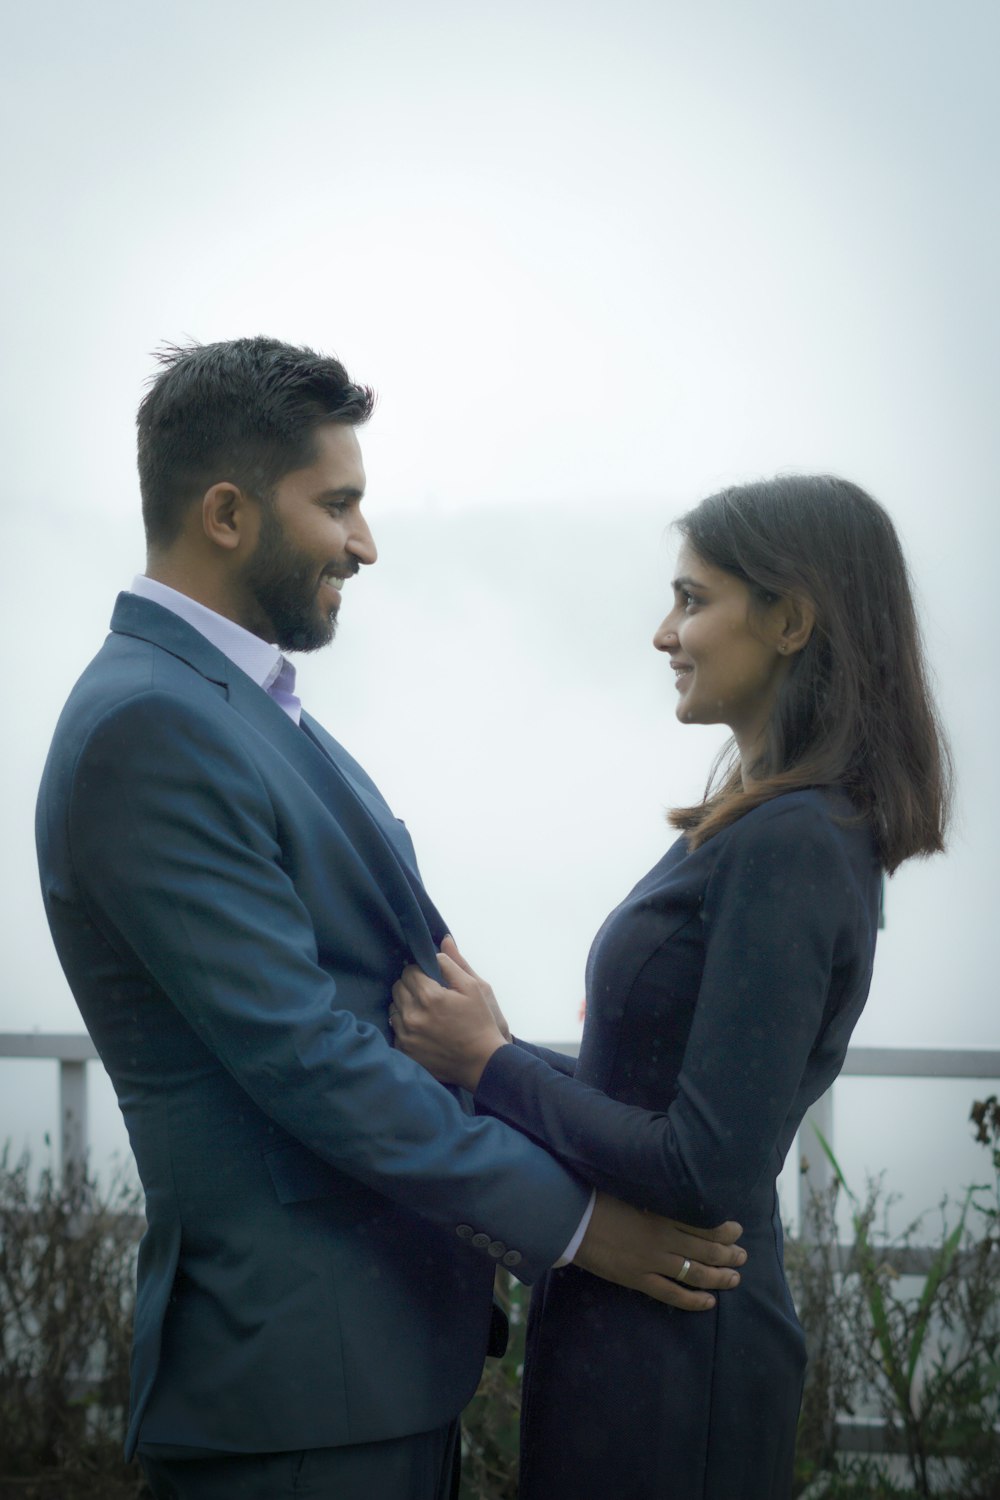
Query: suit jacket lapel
(352, 805)
(358, 821)
(398, 838)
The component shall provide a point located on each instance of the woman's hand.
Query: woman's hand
(452, 1032)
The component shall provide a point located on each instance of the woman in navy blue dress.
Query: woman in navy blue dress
(721, 993)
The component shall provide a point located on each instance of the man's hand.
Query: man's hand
(451, 1032)
(643, 1251)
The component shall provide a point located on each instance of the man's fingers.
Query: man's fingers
(661, 1289)
(710, 1278)
(723, 1234)
(711, 1254)
(705, 1252)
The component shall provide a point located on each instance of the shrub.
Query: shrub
(67, 1291)
(928, 1360)
(490, 1421)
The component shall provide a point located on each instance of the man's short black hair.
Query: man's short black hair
(244, 411)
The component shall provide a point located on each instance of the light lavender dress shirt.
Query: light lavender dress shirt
(264, 664)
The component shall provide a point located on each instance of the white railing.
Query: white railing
(73, 1052)
(816, 1173)
(981, 1063)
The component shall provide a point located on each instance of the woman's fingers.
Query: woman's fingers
(411, 981)
(406, 1010)
(459, 976)
(452, 1032)
(466, 981)
(450, 948)
(402, 993)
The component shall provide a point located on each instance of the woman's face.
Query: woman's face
(729, 659)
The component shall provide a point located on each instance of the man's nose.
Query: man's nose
(361, 543)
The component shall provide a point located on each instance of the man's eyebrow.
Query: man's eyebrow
(346, 492)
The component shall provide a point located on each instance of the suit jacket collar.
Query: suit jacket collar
(151, 622)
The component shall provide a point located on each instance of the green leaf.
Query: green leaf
(939, 1269)
(835, 1164)
(899, 1382)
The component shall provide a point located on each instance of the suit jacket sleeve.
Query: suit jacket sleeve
(779, 904)
(179, 858)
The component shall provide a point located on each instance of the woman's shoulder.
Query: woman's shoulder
(821, 805)
(817, 819)
(805, 850)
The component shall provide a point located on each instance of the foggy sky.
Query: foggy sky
(596, 263)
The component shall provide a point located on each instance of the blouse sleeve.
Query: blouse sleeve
(781, 905)
(563, 1062)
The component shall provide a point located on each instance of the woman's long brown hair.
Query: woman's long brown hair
(854, 710)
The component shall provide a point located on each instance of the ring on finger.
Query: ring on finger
(682, 1273)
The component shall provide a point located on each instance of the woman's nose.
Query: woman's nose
(665, 638)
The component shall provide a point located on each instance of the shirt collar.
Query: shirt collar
(262, 663)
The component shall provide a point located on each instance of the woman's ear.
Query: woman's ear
(795, 618)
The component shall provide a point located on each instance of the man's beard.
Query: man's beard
(284, 584)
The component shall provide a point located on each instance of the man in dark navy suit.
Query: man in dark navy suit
(231, 900)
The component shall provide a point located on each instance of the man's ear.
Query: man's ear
(796, 620)
(229, 518)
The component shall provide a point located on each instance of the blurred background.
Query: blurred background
(597, 261)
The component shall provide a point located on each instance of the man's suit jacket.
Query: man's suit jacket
(231, 900)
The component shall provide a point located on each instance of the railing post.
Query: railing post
(815, 1173)
(73, 1116)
